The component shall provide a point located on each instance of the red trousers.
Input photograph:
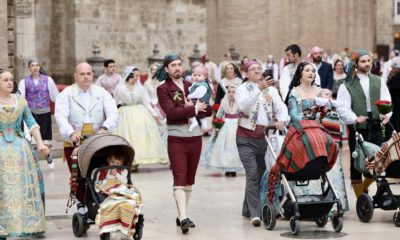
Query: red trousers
(184, 155)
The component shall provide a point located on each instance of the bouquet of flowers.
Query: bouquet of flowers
(218, 123)
(384, 107)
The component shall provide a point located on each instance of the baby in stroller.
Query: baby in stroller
(103, 165)
(120, 210)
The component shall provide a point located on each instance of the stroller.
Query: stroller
(91, 161)
(379, 164)
(307, 154)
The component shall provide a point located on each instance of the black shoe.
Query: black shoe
(185, 225)
(233, 174)
(178, 223)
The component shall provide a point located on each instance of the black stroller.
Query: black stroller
(300, 171)
(91, 160)
(378, 163)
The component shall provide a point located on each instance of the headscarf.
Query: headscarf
(352, 64)
(128, 70)
(33, 60)
(201, 70)
(161, 74)
(248, 64)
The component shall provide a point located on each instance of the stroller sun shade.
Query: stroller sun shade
(98, 142)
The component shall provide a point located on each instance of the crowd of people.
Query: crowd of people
(165, 117)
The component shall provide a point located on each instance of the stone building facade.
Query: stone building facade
(62, 33)
(260, 27)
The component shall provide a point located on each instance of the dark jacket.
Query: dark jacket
(326, 74)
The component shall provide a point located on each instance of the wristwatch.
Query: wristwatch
(105, 128)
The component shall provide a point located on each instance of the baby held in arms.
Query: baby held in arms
(200, 91)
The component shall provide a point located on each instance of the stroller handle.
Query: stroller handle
(268, 128)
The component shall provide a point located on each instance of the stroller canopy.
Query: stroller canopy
(389, 152)
(98, 142)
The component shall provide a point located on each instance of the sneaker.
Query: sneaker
(256, 221)
(50, 161)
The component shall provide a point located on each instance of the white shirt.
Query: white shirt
(247, 101)
(53, 91)
(344, 99)
(85, 97)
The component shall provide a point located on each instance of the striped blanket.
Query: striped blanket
(388, 153)
(120, 210)
(305, 141)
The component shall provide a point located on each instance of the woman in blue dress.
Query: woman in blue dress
(21, 206)
(301, 97)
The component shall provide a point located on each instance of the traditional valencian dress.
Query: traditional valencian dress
(21, 206)
(138, 126)
(221, 151)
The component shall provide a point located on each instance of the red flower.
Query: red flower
(215, 107)
(382, 102)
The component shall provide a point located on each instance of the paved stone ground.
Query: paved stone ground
(215, 208)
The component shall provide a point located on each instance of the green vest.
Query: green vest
(358, 99)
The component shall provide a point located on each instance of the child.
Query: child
(325, 99)
(114, 158)
(120, 211)
(222, 153)
(200, 91)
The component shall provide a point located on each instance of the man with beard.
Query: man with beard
(184, 147)
(325, 70)
(293, 54)
(356, 105)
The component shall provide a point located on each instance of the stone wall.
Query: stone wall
(384, 22)
(260, 27)
(126, 30)
(3, 35)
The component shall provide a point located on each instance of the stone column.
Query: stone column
(25, 35)
(63, 40)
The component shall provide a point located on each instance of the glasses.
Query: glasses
(255, 69)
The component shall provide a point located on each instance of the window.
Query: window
(396, 11)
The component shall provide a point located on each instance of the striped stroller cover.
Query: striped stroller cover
(388, 153)
(305, 141)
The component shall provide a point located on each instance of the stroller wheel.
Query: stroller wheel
(321, 221)
(396, 218)
(365, 208)
(105, 236)
(337, 223)
(78, 225)
(139, 228)
(269, 216)
(294, 225)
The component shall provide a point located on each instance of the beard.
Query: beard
(317, 59)
(176, 75)
(364, 70)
